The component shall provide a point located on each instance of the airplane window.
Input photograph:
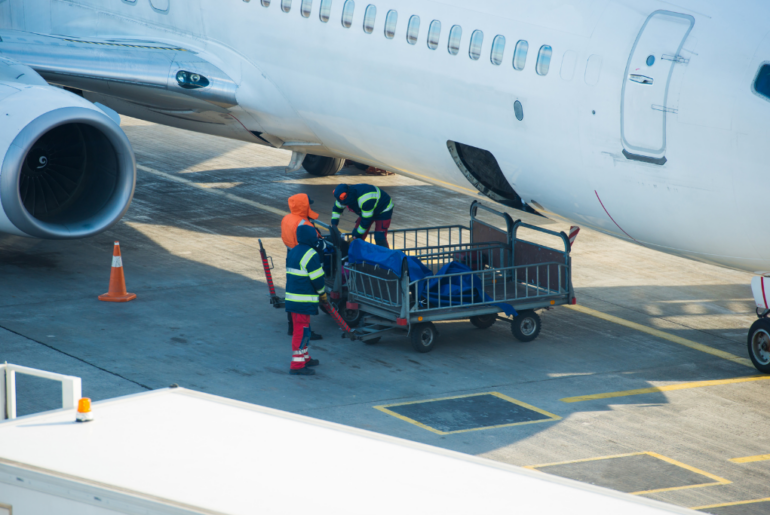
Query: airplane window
(544, 60)
(520, 55)
(286, 5)
(265, 3)
(434, 33)
(455, 37)
(762, 82)
(518, 110)
(326, 10)
(413, 30)
(370, 15)
(477, 39)
(498, 50)
(305, 8)
(347, 13)
(391, 20)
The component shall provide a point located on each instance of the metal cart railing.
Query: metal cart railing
(504, 270)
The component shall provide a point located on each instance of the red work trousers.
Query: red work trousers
(300, 340)
(380, 231)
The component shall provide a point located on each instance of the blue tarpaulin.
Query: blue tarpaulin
(458, 290)
(363, 252)
(452, 291)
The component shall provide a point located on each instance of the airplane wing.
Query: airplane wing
(169, 80)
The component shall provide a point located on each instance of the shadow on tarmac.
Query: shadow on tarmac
(204, 322)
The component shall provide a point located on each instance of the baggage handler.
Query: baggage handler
(371, 204)
(305, 286)
(301, 214)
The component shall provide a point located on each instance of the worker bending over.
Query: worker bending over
(371, 204)
(301, 214)
(305, 286)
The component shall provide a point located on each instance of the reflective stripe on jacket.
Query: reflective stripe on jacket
(367, 201)
(304, 280)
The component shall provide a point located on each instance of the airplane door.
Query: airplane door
(644, 103)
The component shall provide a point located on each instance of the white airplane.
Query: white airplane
(645, 119)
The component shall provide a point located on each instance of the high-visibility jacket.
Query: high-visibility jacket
(367, 201)
(301, 214)
(304, 274)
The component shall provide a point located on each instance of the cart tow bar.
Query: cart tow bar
(275, 300)
(332, 311)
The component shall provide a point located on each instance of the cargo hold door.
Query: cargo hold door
(644, 103)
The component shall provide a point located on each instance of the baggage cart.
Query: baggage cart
(505, 273)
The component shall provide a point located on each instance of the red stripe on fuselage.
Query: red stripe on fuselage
(608, 214)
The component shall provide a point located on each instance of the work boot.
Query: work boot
(312, 363)
(302, 371)
(315, 336)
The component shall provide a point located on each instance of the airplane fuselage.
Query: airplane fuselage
(672, 158)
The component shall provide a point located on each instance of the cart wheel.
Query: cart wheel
(373, 341)
(484, 321)
(352, 317)
(526, 326)
(423, 337)
(759, 345)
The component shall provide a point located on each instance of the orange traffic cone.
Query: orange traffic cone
(117, 291)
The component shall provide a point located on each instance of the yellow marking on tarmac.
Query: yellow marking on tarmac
(737, 503)
(686, 301)
(207, 188)
(384, 409)
(717, 480)
(751, 459)
(668, 388)
(664, 335)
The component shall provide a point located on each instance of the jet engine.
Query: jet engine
(67, 170)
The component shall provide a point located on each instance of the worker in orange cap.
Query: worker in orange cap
(300, 215)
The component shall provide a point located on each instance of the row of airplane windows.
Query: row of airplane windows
(497, 51)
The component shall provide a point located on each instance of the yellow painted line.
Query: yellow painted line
(737, 503)
(688, 467)
(751, 459)
(384, 409)
(204, 187)
(668, 388)
(535, 467)
(664, 335)
(716, 479)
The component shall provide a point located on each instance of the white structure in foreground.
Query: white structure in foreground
(177, 451)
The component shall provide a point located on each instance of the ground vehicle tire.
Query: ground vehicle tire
(322, 166)
(484, 321)
(373, 341)
(759, 345)
(352, 317)
(526, 326)
(423, 337)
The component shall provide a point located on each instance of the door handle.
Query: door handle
(640, 79)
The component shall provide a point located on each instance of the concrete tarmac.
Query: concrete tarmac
(668, 333)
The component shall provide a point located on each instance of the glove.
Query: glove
(323, 298)
(320, 247)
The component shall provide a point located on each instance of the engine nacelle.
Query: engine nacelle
(66, 169)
